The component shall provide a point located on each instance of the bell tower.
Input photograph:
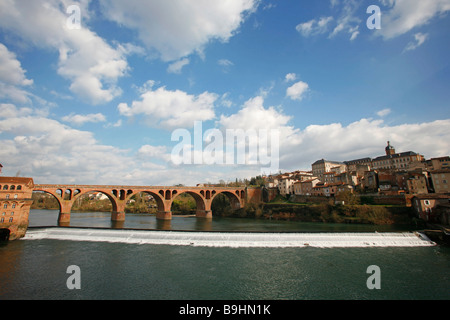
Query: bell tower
(390, 150)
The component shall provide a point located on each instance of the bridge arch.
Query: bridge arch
(235, 197)
(201, 205)
(77, 194)
(53, 194)
(156, 195)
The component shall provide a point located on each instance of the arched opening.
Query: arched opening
(225, 204)
(144, 202)
(4, 235)
(68, 194)
(187, 203)
(44, 201)
(92, 201)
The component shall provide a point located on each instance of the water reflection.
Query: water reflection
(45, 218)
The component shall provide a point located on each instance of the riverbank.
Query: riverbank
(331, 213)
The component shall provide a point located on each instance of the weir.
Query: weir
(234, 239)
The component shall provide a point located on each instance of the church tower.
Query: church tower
(390, 150)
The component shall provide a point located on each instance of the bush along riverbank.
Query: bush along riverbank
(329, 213)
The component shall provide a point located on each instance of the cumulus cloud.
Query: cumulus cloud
(12, 77)
(78, 119)
(171, 109)
(177, 28)
(52, 152)
(290, 77)
(297, 91)
(406, 15)
(299, 148)
(367, 138)
(91, 64)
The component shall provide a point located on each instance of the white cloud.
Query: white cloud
(10, 68)
(177, 66)
(12, 77)
(253, 115)
(177, 28)
(290, 77)
(347, 21)
(314, 27)
(384, 112)
(171, 109)
(299, 148)
(297, 91)
(78, 119)
(91, 64)
(405, 15)
(419, 38)
(154, 152)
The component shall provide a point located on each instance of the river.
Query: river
(38, 269)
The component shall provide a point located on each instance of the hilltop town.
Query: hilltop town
(408, 176)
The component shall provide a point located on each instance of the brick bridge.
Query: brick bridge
(164, 196)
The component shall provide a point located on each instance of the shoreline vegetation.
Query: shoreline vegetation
(281, 208)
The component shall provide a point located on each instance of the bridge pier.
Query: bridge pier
(63, 218)
(207, 214)
(164, 215)
(118, 216)
(64, 213)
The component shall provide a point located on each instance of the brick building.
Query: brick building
(15, 203)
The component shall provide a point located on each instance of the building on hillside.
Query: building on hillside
(302, 175)
(305, 188)
(441, 180)
(398, 161)
(417, 183)
(438, 163)
(320, 167)
(286, 185)
(15, 202)
(432, 207)
(354, 165)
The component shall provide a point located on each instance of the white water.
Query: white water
(235, 240)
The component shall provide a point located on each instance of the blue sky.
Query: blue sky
(99, 104)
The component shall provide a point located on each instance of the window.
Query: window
(12, 188)
(11, 219)
(19, 188)
(15, 196)
(5, 187)
(14, 205)
(7, 196)
(2, 220)
(427, 202)
(5, 206)
(12, 213)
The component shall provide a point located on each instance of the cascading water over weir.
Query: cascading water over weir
(234, 239)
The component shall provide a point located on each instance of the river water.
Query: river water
(38, 269)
